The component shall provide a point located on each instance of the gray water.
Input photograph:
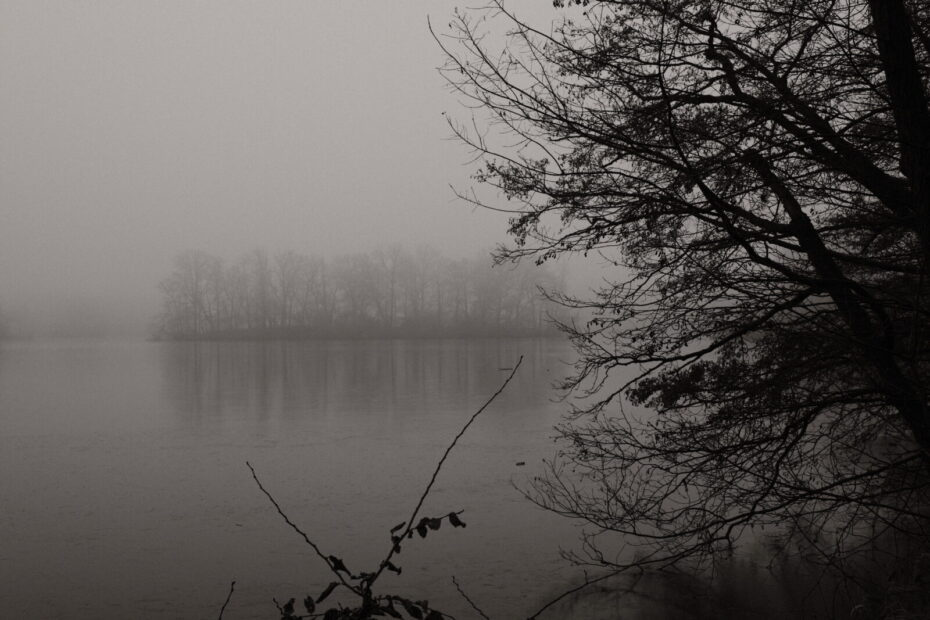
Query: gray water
(124, 490)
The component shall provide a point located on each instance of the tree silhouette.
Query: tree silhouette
(759, 173)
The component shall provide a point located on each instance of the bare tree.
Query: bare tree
(759, 172)
(287, 272)
(190, 294)
(386, 293)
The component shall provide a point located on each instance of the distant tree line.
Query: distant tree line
(387, 292)
(5, 330)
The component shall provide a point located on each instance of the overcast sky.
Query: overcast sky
(131, 130)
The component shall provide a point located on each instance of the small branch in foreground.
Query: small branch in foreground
(456, 440)
(587, 582)
(362, 583)
(232, 587)
(470, 602)
(297, 529)
(411, 522)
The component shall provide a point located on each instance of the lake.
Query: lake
(125, 491)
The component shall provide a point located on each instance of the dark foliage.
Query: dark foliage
(360, 586)
(759, 173)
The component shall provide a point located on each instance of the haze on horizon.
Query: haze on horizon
(131, 131)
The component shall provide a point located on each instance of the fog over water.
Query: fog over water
(131, 131)
(134, 131)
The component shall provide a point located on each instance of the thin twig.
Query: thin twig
(587, 582)
(294, 527)
(232, 587)
(365, 592)
(416, 511)
(470, 602)
(432, 480)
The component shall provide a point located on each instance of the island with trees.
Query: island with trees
(392, 292)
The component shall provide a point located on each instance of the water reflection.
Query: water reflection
(746, 586)
(263, 380)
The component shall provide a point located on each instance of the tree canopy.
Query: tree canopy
(759, 172)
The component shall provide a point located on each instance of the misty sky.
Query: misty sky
(131, 130)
